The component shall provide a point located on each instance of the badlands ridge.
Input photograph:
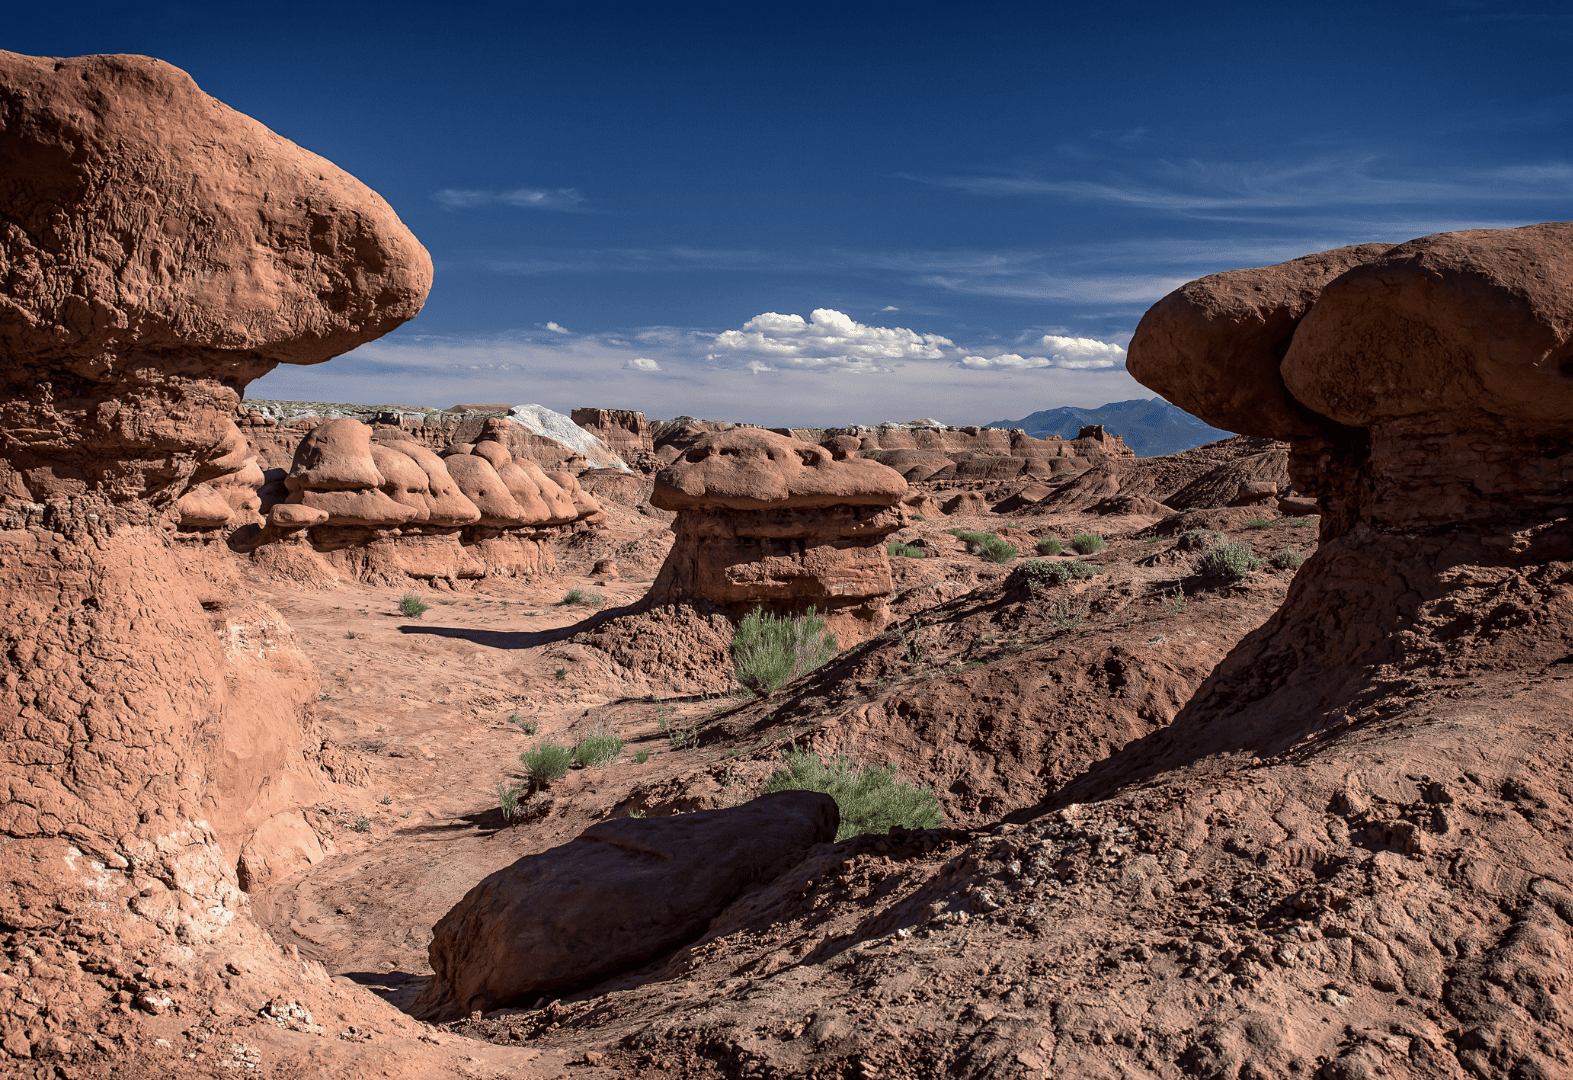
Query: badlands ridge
(1291, 821)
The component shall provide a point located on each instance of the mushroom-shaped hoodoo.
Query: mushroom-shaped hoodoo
(767, 520)
(1427, 392)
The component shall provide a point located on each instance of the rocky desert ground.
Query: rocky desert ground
(1268, 777)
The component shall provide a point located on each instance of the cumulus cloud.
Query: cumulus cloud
(642, 363)
(556, 328)
(1073, 353)
(826, 340)
(525, 198)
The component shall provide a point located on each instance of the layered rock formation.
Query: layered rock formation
(767, 520)
(1425, 393)
(623, 892)
(159, 251)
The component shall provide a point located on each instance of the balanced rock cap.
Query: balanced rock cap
(142, 214)
(754, 469)
(1474, 326)
(1214, 346)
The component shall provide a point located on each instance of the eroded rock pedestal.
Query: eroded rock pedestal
(158, 251)
(764, 520)
(1427, 394)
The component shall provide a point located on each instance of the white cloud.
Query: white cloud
(1070, 353)
(642, 363)
(556, 328)
(525, 198)
(889, 307)
(827, 340)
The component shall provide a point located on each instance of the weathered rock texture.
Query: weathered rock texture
(625, 431)
(158, 251)
(625, 891)
(1427, 395)
(767, 520)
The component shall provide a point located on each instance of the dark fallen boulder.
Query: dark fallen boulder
(620, 894)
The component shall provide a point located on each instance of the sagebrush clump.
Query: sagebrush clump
(905, 551)
(1286, 559)
(870, 800)
(1039, 574)
(1048, 546)
(990, 546)
(598, 748)
(1229, 561)
(1088, 543)
(547, 762)
(769, 651)
(411, 607)
(581, 598)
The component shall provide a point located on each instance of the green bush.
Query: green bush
(1201, 540)
(769, 651)
(529, 727)
(1088, 543)
(1286, 559)
(1231, 561)
(641, 757)
(598, 748)
(508, 799)
(1039, 574)
(581, 597)
(906, 551)
(1297, 522)
(547, 762)
(919, 517)
(411, 607)
(870, 800)
(1048, 546)
(990, 546)
(1065, 615)
(1258, 523)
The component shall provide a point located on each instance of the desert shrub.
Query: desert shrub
(1258, 522)
(547, 762)
(1286, 559)
(906, 551)
(362, 824)
(990, 546)
(1232, 561)
(509, 798)
(598, 748)
(581, 597)
(411, 607)
(1174, 601)
(1201, 540)
(919, 517)
(1297, 522)
(682, 738)
(1065, 615)
(1039, 574)
(769, 651)
(529, 727)
(1048, 546)
(1088, 543)
(870, 800)
(641, 757)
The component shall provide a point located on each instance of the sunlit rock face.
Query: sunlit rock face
(767, 520)
(158, 251)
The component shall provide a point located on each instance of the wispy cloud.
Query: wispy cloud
(524, 198)
(1209, 189)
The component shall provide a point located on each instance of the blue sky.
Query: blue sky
(645, 205)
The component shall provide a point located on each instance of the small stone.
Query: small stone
(593, 1057)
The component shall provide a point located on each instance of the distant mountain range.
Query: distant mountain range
(1150, 426)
